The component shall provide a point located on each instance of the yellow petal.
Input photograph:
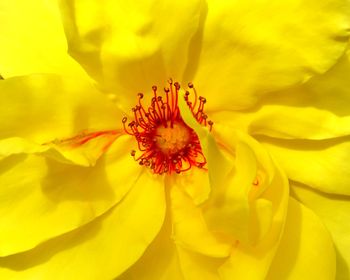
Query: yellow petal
(196, 266)
(42, 108)
(240, 197)
(322, 165)
(229, 210)
(160, 260)
(17, 145)
(102, 249)
(334, 210)
(44, 198)
(189, 227)
(84, 149)
(306, 250)
(257, 236)
(219, 163)
(33, 40)
(195, 183)
(267, 202)
(265, 48)
(164, 261)
(130, 46)
(317, 109)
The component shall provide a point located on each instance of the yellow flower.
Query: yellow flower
(74, 203)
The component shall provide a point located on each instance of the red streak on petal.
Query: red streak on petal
(84, 138)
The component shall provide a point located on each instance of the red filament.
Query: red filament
(167, 144)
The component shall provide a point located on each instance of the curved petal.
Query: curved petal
(17, 145)
(249, 48)
(306, 250)
(251, 207)
(196, 266)
(172, 261)
(262, 200)
(334, 210)
(322, 165)
(84, 149)
(189, 228)
(42, 108)
(130, 46)
(33, 40)
(160, 260)
(229, 209)
(195, 183)
(44, 198)
(104, 248)
(317, 109)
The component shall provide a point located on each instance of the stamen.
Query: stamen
(166, 143)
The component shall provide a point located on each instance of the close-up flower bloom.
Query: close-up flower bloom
(175, 140)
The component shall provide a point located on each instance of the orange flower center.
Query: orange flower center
(171, 140)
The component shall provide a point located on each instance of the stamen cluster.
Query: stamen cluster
(167, 143)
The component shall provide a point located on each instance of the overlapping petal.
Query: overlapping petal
(47, 198)
(248, 202)
(130, 46)
(317, 109)
(59, 122)
(322, 165)
(245, 49)
(102, 249)
(306, 250)
(194, 183)
(196, 266)
(18, 145)
(166, 267)
(251, 207)
(64, 165)
(33, 40)
(190, 229)
(42, 108)
(334, 211)
(176, 263)
(84, 149)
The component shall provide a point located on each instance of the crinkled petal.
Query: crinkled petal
(43, 198)
(102, 249)
(334, 210)
(322, 165)
(306, 250)
(42, 108)
(130, 46)
(245, 48)
(317, 109)
(33, 40)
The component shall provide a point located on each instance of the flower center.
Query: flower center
(171, 140)
(167, 144)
